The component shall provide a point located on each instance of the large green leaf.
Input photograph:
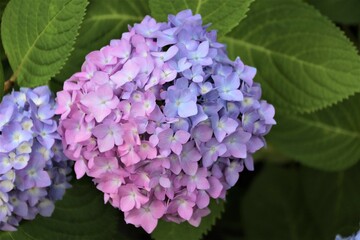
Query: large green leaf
(223, 15)
(38, 37)
(105, 20)
(302, 204)
(184, 231)
(328, 139)
(343, 11)
(3, 4)
(304, 61)
(2, 8)
(80, 215)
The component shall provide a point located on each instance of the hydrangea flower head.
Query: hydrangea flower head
(163, 120)
(355, 236)
(33, 169)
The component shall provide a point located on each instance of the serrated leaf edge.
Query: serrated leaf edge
(18, 69)
(326, 105)
(73, 43)
(208, 229)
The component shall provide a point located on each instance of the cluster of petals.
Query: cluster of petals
(163, 121)
(33, 168)
(355, 236)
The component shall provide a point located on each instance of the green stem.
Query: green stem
(7, 86)
(9, 83)
(270, 154)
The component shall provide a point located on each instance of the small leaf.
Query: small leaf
(184, 231)
(301, 203)
(327, 139)
(223, 15)
(81, 215)
(342, 11)
(38, 37)
(304, 61)
(105, 20)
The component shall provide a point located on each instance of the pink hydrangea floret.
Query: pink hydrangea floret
(163, 121)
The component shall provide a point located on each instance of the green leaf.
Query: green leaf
(38, 37)
(333, 199)
(82, 214)
(2, 8)
(304, 61)
(342, 11)
(3, 4)
(223, 15)
(105, 20)
(184, 231)
(301, 204)
(327, 139)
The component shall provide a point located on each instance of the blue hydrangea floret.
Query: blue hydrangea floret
(33, 169)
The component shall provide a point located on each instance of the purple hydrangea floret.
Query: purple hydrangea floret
(355, 236)
(33, 169)
(163, 121)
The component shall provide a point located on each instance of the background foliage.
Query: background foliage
(306, 183)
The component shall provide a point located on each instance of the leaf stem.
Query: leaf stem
(9, 83)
